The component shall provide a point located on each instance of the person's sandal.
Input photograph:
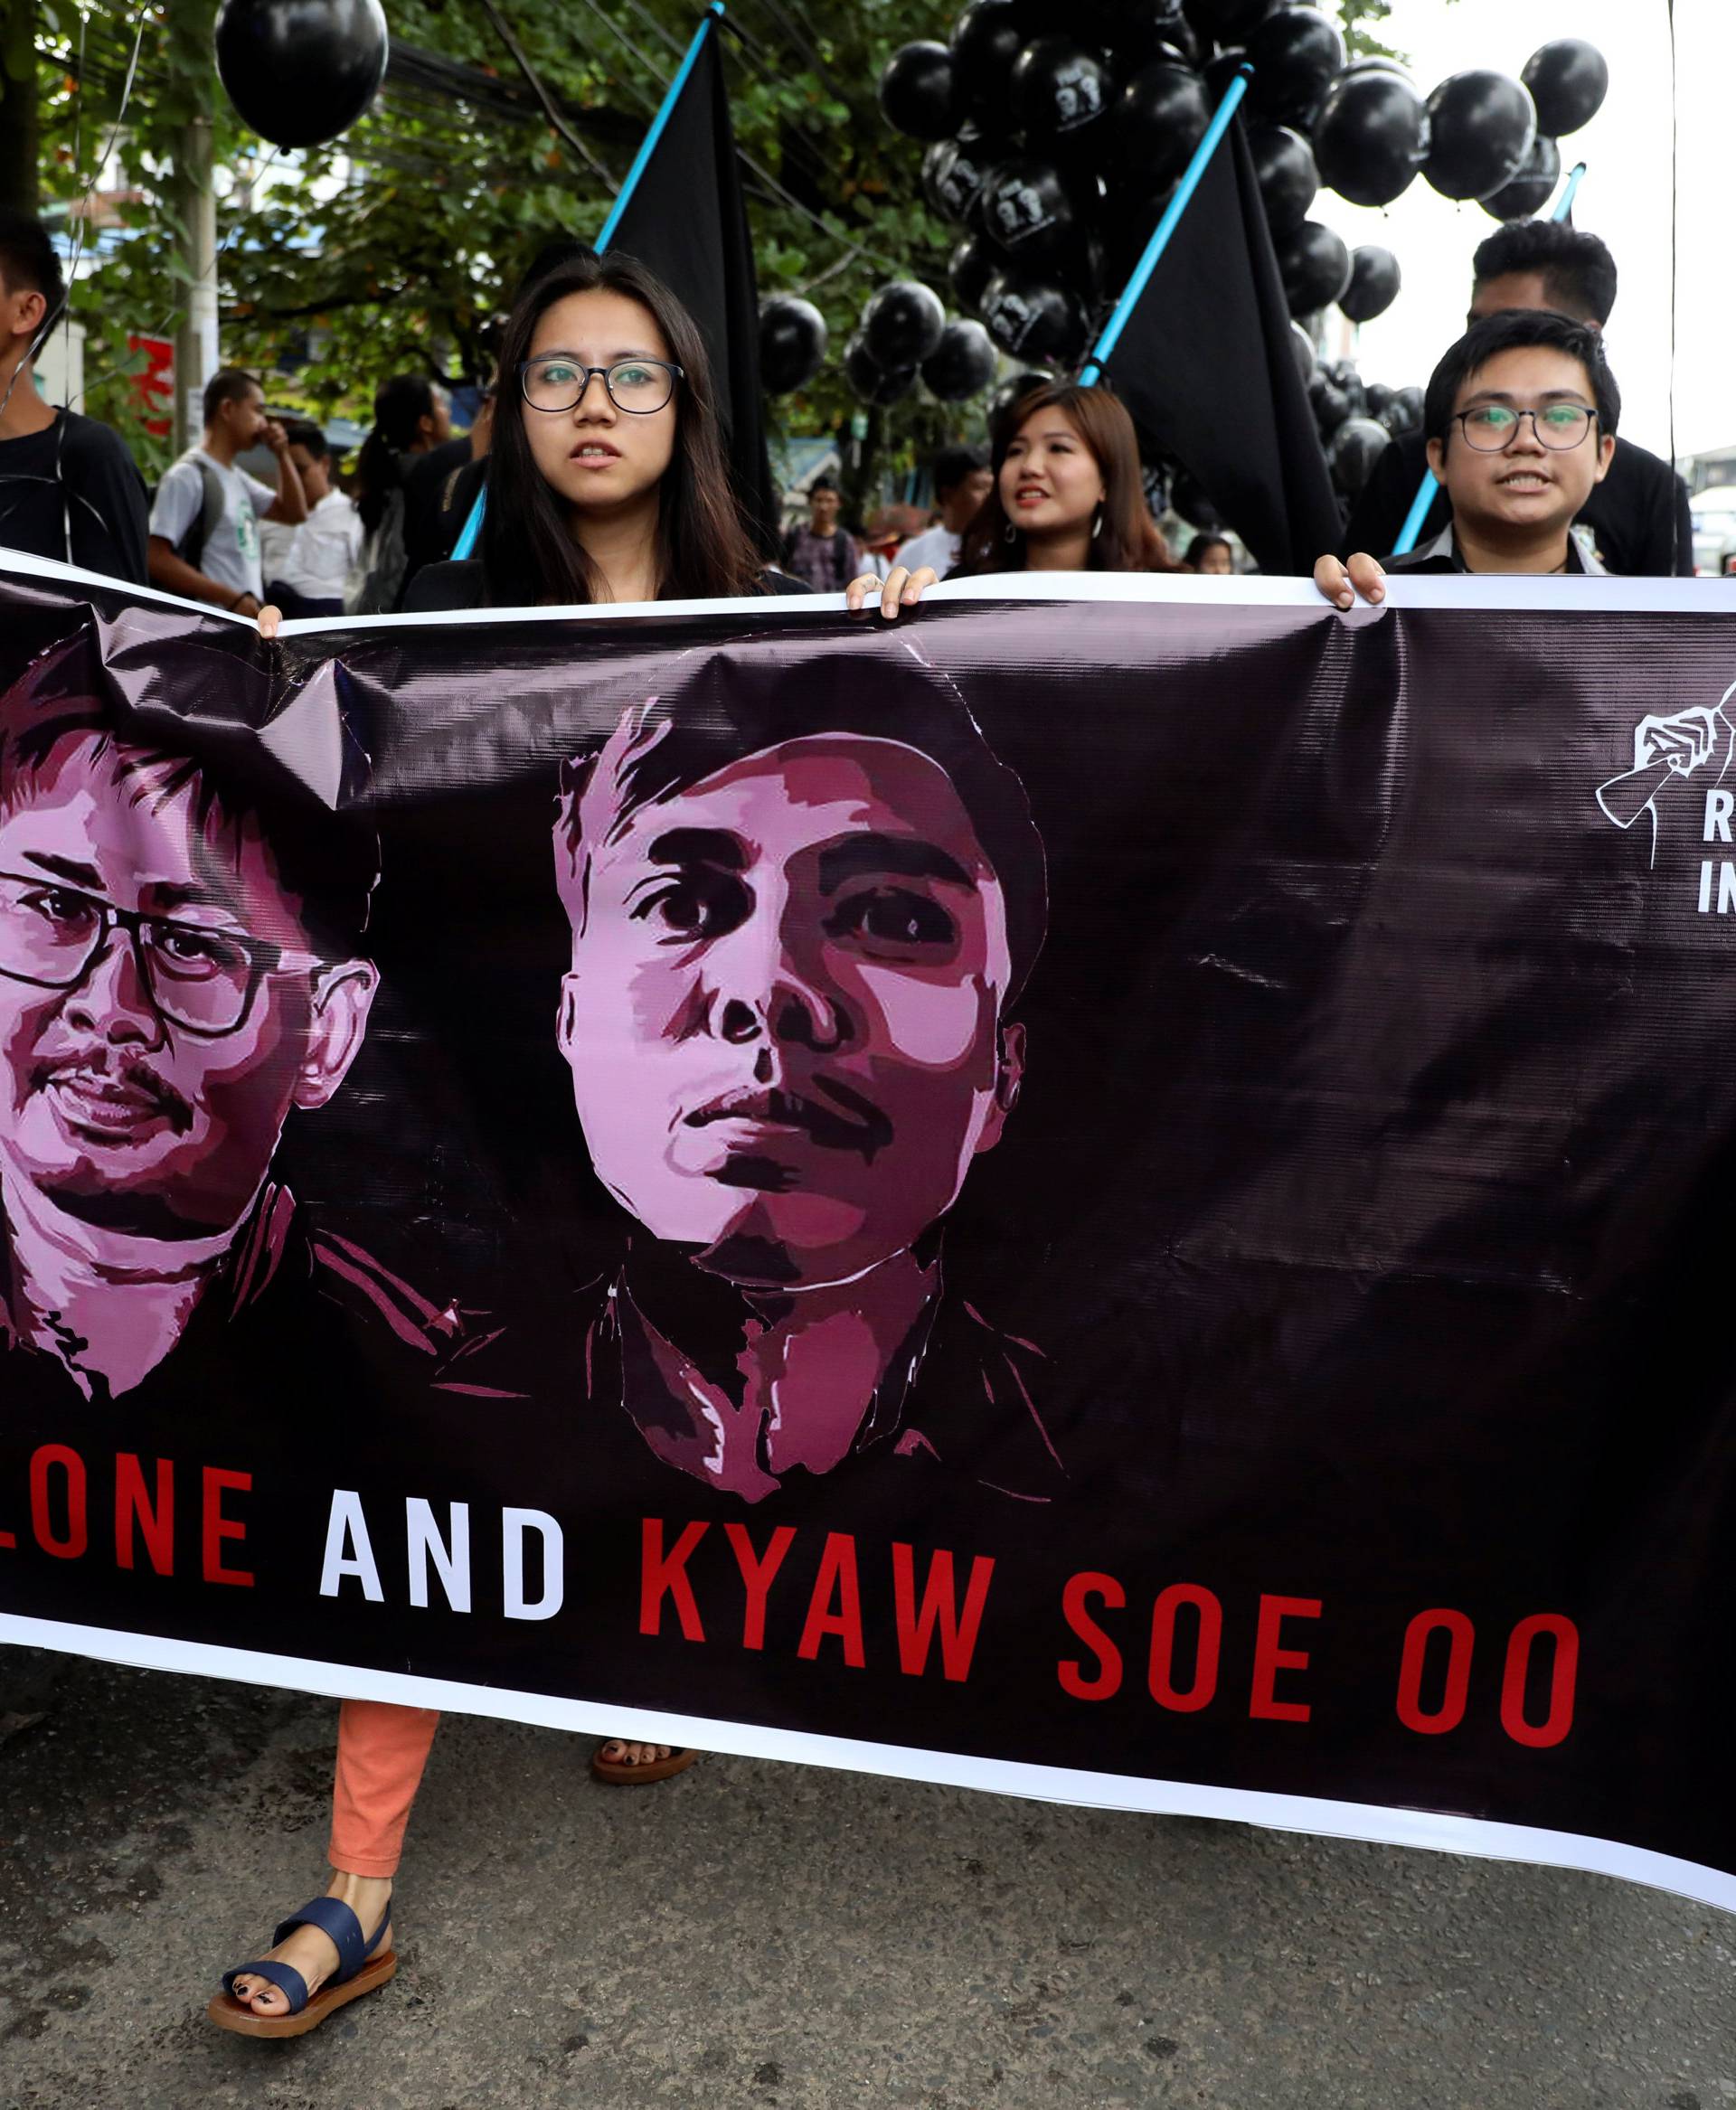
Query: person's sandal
(359, 1971)
(621, 1773)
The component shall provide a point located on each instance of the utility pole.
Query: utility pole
(195, 337)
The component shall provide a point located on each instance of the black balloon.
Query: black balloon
(1375, 282)
(300, 71)
(1350, 381)
(1188, 496)
(1356, 445)
(1033, 318)
(1530, 190)
(1404, 413)
(1218, 72)
(1059, 89)
(1139, 31)
(1370, 135)
(953, 174)
(1481, 126)
(1288, 178)
(1568, 80)
(902, 324)
(1315, 265)
(961, 364)
(1331, 404)
(1160, 117)
(972, 265)
(1027, 209)
(919, 94)
(1378, 62)
(1302, 344)
(1010, 391)
(792, 343)
(872, 381)
(1379, 398)
(1296, 52)
(1230, 22)
(986, 39)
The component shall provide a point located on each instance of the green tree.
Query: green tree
(500, 123)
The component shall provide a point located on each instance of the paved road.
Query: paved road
(788, 1939)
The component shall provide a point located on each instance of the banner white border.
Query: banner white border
(1382, 1824)
(1608, 595)
(1377, 1823)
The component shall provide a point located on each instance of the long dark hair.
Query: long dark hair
(1127, 540)
(399, 405)
(703, 551)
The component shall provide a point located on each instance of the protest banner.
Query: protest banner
(1116, 1191)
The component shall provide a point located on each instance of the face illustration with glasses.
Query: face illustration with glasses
(600, 396)
(163, 1008)
(784, 1016)
(1524, 448)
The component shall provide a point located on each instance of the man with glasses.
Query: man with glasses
(1637, 517)
(180, 971)
(1521, 420)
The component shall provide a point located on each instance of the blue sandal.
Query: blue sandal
(359, 1971)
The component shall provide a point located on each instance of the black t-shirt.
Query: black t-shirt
(1640, 513)
(77, 465)
(461, 585)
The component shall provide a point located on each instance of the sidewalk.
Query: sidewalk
(789, 1939)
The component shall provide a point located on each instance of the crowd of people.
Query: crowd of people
(608, 481)
(320, 540)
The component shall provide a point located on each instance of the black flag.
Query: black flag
(686, 219)
(1207, 366)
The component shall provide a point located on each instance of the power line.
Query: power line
(551, 109)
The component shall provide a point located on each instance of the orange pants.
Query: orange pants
(381, 1751)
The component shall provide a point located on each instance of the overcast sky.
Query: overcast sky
(1625, 198)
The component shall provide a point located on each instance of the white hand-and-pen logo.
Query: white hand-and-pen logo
(1680, 745)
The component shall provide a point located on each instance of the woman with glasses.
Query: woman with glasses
(611, 483)
(1067, 495)
(607, 482)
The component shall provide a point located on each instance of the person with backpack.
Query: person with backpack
(399, 504)
(823, 554)
(205, 540)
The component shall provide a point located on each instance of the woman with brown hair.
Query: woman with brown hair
(610, 485)
(1067, 495)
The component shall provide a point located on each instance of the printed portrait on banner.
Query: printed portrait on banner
(184, 971)
(800, 928)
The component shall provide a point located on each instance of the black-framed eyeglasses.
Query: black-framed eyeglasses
(639, 386)
(202, 980)
(1491, 426)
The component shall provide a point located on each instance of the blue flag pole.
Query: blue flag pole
(1093, 370)
(659, 124)
(466, 541)
(1425, 497)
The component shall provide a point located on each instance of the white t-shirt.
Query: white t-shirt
(937, 546)
(231, 552)
(315, 557)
